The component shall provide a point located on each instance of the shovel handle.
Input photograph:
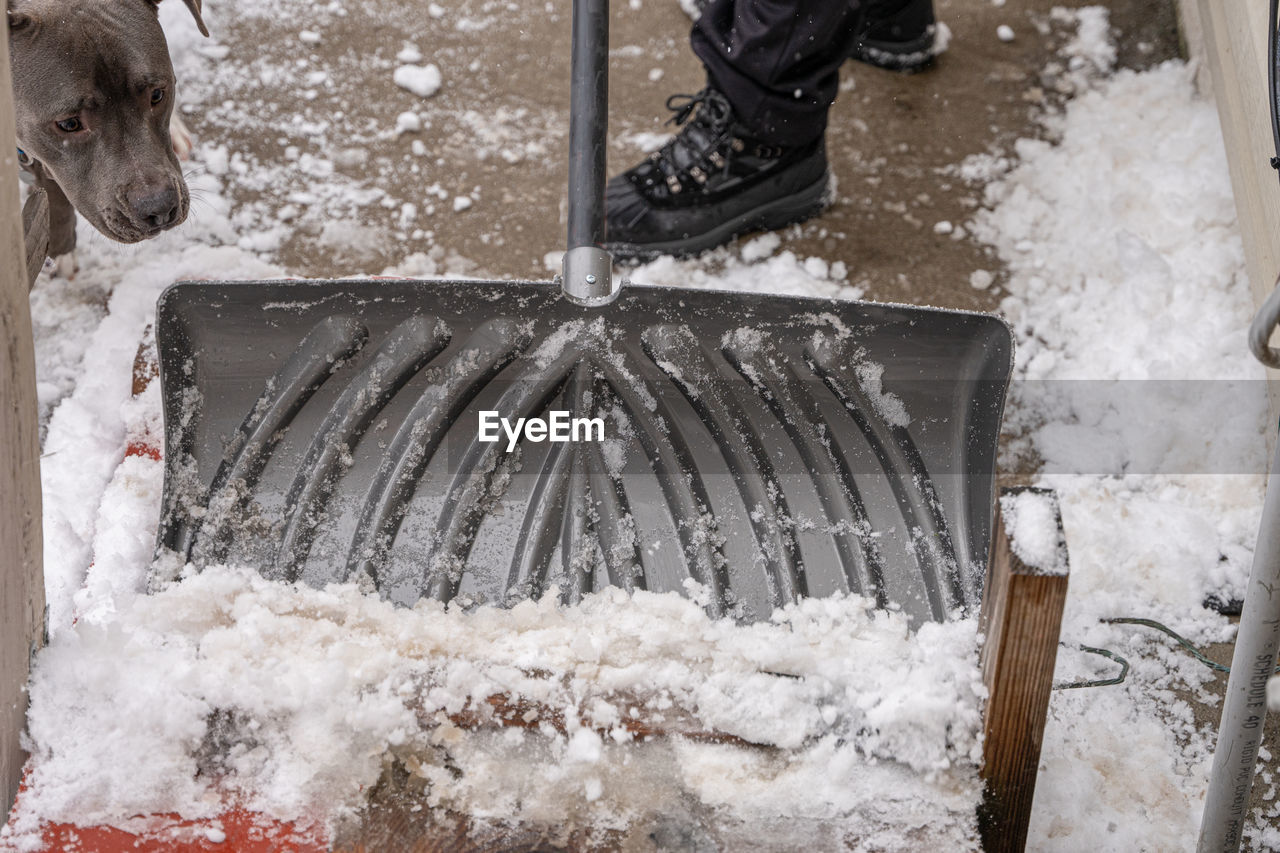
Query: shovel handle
(588, 117)
(587, 275)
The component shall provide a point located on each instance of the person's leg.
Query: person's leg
(898, 35)
(777, 61)
(750, 153)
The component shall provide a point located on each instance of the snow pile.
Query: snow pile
(289, 697)
(1031, 520)
(1089, 353)
(89, 430)
(1124, 263)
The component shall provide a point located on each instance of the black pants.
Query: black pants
(777, 61)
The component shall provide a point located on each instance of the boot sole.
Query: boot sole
(906, 57)
(779, 213)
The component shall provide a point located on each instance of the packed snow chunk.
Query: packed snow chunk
(887, 404)
(646, 141)
(216, 159)
(409, 54)
(941, 39)
(817, 267)
(408, 122)
(1004, 32)
(1092, 49)
(1031, 521)
(422, 80)
(309, 37)
(461, 203)
(981, 279)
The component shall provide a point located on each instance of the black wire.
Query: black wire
(1182, 641)
(1106, 653)
(1146, 623)
(1273, 56)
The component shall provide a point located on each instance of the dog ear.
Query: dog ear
(194, 6)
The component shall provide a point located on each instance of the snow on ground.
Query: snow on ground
(1120, 260)
(290, 696)
(1124, 263)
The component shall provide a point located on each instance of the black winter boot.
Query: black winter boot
(709, 184)
(896, 34)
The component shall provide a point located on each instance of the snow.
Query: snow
(422, 80)
(1031, 521)
(981, 279)
(408, 122)
(1004, 32)
(297, 696)
(409, 54)
(1147, 544)
(302, 691)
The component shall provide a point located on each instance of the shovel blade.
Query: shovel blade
(490, 441)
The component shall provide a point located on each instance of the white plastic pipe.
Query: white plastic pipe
(1244, 713)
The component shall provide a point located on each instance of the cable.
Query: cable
(1124, 664)
(1273, 56)
(1119, 679)
(1182, 641)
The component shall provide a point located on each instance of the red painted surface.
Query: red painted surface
(234, 831)
(139, 449)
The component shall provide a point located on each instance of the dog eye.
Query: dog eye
(70, 125)
(157, 95)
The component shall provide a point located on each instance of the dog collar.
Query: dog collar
(24, 168)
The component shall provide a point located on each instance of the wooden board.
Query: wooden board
(35, 228)
(21, 574)
(1021, 620)
(1229, 39)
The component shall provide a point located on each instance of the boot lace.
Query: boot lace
(711, 111)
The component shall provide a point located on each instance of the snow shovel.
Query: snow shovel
(480, 442)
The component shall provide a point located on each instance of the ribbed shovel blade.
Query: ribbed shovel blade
(764, 447)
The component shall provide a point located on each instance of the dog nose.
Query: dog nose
(155, 207)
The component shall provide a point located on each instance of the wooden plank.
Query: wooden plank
(35, 228)
(21, 573)
(1021, 619)
(1230, 38)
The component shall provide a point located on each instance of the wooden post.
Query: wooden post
(21, 571)
(1231, 37)
(1021, 618)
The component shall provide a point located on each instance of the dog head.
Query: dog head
(93, 93)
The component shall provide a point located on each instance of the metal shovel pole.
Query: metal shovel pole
(1257, 644)
(587, 268)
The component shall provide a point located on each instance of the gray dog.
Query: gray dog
(93, 93)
